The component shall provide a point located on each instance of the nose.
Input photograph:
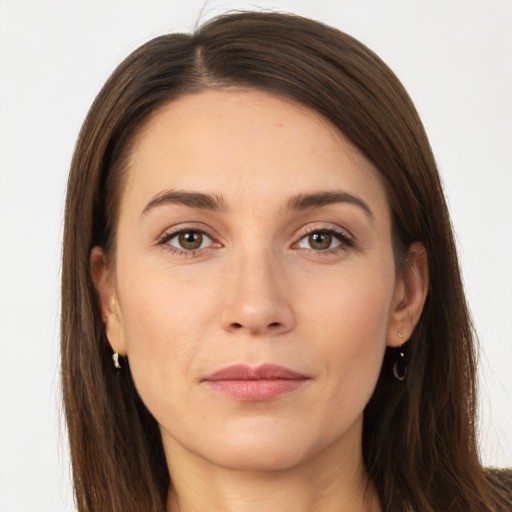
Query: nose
(257, 301)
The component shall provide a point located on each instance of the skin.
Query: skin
(259, 289)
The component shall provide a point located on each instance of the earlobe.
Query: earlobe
(110, 311)
(410, 295)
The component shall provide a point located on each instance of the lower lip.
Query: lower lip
(255, 390)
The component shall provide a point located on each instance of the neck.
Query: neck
(329, 482)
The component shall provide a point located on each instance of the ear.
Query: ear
(110, 310)
(409, 297)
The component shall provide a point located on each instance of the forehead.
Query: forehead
(245, 145)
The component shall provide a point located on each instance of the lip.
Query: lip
(255, 384)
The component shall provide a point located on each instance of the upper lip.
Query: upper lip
(261, 372)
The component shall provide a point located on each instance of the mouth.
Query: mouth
(255, 384)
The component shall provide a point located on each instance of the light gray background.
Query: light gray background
(454, 57)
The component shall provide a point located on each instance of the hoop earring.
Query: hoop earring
(115, 358)
(400, 365)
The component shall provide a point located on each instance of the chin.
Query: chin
(261, 449)
(258, 457)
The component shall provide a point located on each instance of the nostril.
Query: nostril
(272, 326)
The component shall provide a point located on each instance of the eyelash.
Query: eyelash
(188, 253)
(346, 241)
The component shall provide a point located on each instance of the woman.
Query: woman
(262, 306)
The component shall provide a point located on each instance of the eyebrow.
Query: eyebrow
(191, 199)
(319, 199)
(216, 203)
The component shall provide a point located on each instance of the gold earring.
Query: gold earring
(400, 335)
(115, 358)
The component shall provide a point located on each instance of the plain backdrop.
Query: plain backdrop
(455, 59)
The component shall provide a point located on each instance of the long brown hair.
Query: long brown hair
(419, 443)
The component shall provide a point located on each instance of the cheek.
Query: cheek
(163, 308)
(164, 322)
(353, 308)
(348, 326)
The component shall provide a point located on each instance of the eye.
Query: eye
(188, 240)
(324, 240)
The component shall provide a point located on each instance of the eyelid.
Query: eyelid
(326, 228)
(334, 237)
(204, 235)
(185, 226)
(344, 236)
(171, 232)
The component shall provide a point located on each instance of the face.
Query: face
(254, 288)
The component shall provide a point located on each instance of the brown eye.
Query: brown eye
(323, 240)
(320, 241)
(190, 240)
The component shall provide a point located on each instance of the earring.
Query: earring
(400, 365)
(115, 358)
